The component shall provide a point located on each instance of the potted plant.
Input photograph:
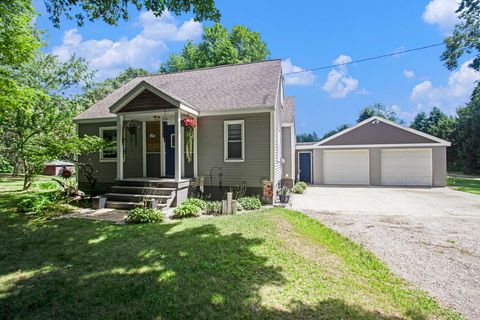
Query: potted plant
(189, 124)
(284, 194)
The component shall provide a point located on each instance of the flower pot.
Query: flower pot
(284, 198)
(99, 202)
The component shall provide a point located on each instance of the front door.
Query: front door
(305, 167)
(169, 137)
(153, 149)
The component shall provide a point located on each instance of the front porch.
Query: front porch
(155, 146)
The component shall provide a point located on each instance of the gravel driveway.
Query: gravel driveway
(430, 237)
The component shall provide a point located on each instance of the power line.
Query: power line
(366, 59)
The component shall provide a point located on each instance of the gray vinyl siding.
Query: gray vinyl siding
(287, 152)
(106, 172)
(257, 150)
(439, 165)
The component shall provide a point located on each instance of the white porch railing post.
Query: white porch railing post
(195, 151)
(144, 148)
(120, 147)
(178, 148)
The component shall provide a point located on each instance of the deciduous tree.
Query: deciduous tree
(378, 110)
(111, 11)
(37, 111)
(465, 39)
(218, 47)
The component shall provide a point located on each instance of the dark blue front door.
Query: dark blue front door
(306, 167)
(169, 136)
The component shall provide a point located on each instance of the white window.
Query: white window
(234, 141)
(109, 152)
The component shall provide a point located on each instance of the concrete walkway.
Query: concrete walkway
(112, 215)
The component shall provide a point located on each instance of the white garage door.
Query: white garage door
(345, 167)
(406, 167)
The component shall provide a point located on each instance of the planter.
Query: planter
(284, 198)
(99, 202)
(152, 203)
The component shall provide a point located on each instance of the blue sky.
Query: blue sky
(305, 34)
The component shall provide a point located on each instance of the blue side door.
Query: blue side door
(305, 167)
(169, 136)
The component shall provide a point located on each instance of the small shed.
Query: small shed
(54, 168)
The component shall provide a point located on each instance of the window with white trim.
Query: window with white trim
(109, 152)
(234, 141)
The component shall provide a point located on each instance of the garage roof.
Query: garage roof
(377, 131)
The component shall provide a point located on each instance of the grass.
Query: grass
(463, 184)
(272, 264)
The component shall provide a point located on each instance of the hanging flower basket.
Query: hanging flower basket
(188, 125)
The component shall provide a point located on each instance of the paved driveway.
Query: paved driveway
(430, 237)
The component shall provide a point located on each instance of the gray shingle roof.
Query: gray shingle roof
(239, 86)
(288, 115)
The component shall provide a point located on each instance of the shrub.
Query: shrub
(144, 215)
(47, 185)
(186, 210)
(39, 202)
(298, 189)
(214, 207)
(202, 204)
(250, 203)
(302, 184)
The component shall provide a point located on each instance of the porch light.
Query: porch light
(157, 118)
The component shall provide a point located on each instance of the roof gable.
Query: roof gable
(379, 131)
(146, 100)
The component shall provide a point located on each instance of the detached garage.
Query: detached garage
(375, 152)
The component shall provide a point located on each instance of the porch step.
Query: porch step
(142, 190)
(153, 183)
(127, 205)
(129, 197)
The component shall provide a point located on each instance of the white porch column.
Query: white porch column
(144, 148)
(178, 148)
(195, 152)
(120, 146)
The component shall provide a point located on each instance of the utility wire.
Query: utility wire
(366, 59)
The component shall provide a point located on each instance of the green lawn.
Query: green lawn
(466, 185)
(272, 264)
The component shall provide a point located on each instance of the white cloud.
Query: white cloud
(165, 27)
(457, 92)
(342, 59)
(339, 84)
(442, 13)
(141, 51)
(299, 79)
(404, 115)
(409, 74)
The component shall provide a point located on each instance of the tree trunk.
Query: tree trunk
(27, 179)
(16, 167)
